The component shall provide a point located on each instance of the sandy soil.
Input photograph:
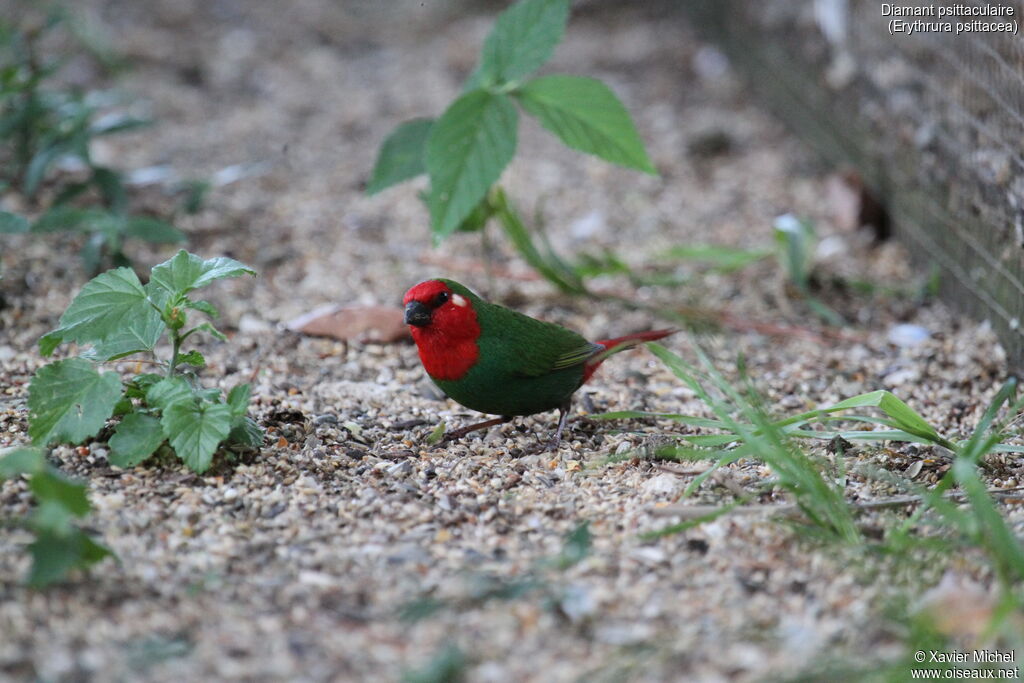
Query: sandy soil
(299, 563)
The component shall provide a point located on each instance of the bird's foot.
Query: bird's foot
(456, 434)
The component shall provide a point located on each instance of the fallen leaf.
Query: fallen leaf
(353, 323)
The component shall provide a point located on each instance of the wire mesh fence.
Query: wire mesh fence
(926, 100)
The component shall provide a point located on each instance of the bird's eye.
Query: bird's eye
(441, 299)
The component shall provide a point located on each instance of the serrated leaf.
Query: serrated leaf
(21, 460)
(209, 329)
(246, 432)
(168, 391)
(203, 307)
(140, 335)
(69, 401)
(186, 272)
(153, 230)
(140, 384)
(586, 115)
(12, 223)
(54, 556)
(135, 439)
(467, 150)
(523, 38)
(51, 516)
(238, 399)
(111, 303)
(193, 358)
(195, 430)
(49, 342)
(401, 155)
(54, 487)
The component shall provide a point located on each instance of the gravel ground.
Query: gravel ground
(297, 563)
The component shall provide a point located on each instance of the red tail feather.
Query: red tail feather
(613, 346)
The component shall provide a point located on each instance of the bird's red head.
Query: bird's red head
(444, 327)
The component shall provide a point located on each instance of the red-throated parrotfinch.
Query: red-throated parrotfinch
(494, 360)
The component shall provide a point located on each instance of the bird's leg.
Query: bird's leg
(462, 431)
(563, 415)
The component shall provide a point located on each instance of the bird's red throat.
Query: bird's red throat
(448, 345)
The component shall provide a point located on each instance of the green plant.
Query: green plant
(43, 125)
(71, 400)
(60, 546)
(795, 240)
(746, 431)
(466, 149)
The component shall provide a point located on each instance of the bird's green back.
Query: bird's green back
(525, 365)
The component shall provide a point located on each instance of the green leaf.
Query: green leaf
(586, 115)
(153, 230)
(209, 329)
(238, 399)
(523, 38)
(21, 460)
(195, 430)
(576, 547)
(996, 536)
(185, 272)
(135, 439)
(167, 392)
(467, 150)
(54, 556)
(722, 258)
(447, 665)
(437, 433)
(139, 335)
(140, 384)
(110, 186)
(110, 304)
(109, 125)
(193, 358)
(203, 307)
(48, 343)
(401, 155)
(50, 515)
(37, 167)
(12, 223)
(62, 218)
(69, 401)
(795, 239)
(246, 432)
(54, 487)
(903, 416)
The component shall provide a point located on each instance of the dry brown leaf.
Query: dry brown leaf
(353, 323)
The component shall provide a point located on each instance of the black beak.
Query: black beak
(417, 314)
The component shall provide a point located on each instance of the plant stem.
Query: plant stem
(176, 342)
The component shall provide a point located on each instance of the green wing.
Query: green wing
(576, 355)
(528, 347)
(523, 346)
